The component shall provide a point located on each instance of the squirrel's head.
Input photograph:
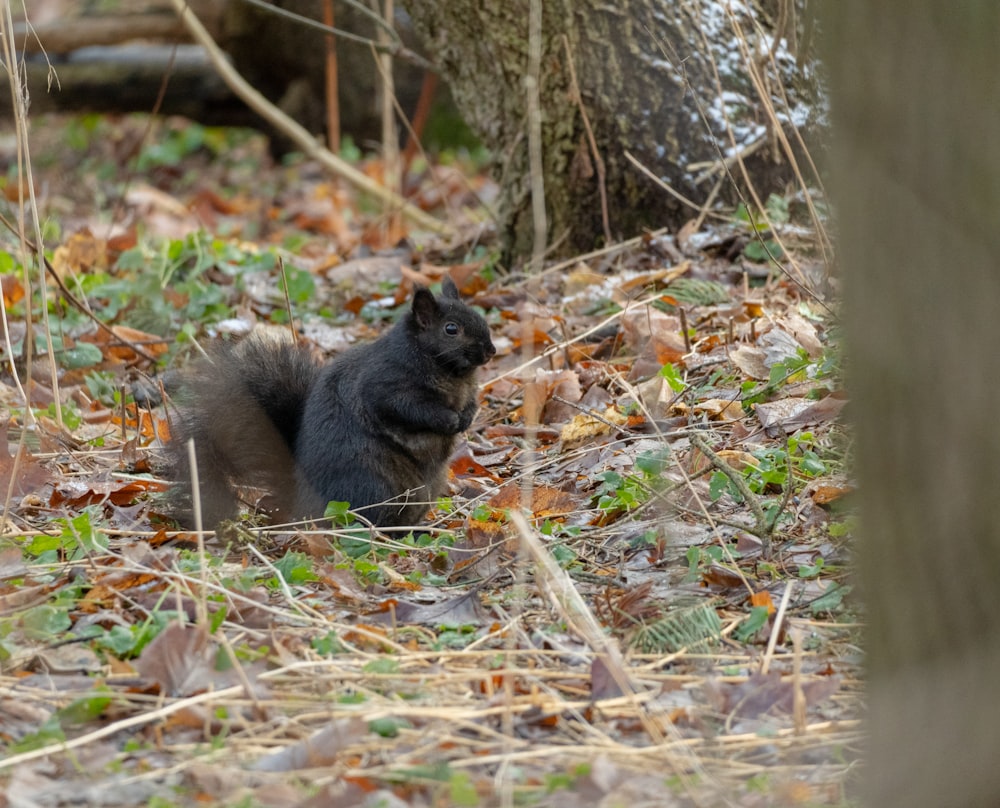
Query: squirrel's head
(454, 335)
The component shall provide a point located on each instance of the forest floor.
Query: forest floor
(638, 592)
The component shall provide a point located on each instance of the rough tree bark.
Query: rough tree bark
(916, 110)
(646, 70)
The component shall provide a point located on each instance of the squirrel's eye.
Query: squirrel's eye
(451, 329)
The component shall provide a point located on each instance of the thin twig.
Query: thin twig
(779, 618)
(532, 81)
(295, 132)
(737, 479)
(332, 96)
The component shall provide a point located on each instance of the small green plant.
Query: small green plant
(50, 732)
(462, 791)
(45, 621)
(75, 540)
(299, 284)
(86, 708)
(752, 624)
(127, 642)
(812, 570)
(455, 637)
(695, 626)
(180, 142)
(388, 727)
(559, 781)
(776, 208)
(162, 287)
(832, 600)
(383, 665)
(103, 386)
(328, 644)
(699, 557)
(295, 569)
(771, 473)
(80, 355)
(618, 492)
(674, 379)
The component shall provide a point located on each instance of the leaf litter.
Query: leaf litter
(638, 588)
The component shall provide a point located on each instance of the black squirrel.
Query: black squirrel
(373, 427)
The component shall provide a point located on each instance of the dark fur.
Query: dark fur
(374, 427)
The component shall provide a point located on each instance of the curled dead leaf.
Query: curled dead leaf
(717, 409)
(585, 427)
(319, 749)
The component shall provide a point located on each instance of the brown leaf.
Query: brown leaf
(763, 694)
(122, 349)
(827, 409)
(80, 252)
(629, 607)
(177, 659)
(12, 563)
(585, 427)
(657, 278)
(642, 323)
(720, 577)
(717, 409)
(31, 476)
(464, 610)
(749, 359)
(789, 415)
(827, 493)
(602, 683)
(546, 501)
(78, 493)
(320, 749)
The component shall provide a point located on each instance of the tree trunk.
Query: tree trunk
(646, 71)
(917, 115)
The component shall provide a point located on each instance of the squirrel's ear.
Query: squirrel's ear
(448, 288)
(425, 307)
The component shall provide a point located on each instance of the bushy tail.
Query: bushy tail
(242, 406)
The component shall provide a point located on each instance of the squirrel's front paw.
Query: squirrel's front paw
(466, 416)
(453, 423)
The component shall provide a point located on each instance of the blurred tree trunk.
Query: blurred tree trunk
(646, 70)
(916, 106)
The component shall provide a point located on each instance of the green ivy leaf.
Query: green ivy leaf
(82, 355)
(673, 377)
(718, 484)
(754, 622)
(44, 622)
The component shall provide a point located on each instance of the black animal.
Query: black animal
(374, 427)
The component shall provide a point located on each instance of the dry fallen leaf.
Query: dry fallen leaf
(585, 427)
(765, 694)
(177, 659)
(717, 409)
(319, 749)
(749, 359)
(789, 415)
(763, 598)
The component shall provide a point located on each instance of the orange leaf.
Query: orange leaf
(763, 598)
(13, 291)
(825, 494)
